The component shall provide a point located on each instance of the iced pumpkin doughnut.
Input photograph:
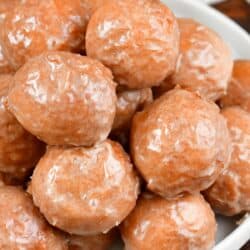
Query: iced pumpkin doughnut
(64, 98)
(22, 226)
(230, 194)
(137, 40)
(128, 103)
(184, 223)
(85, 191)
(205, 62)
(35, 26)
(94, 242)
(180, 143)
(19, 150)
(239, 87)
(5, 6)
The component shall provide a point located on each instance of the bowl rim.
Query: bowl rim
(237, 238)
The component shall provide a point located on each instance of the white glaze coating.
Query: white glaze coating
(71, 97)
(85, 191)
(138, 41)
(180, 143)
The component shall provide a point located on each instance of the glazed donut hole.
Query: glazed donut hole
(187, 222)
(72, 98)
(138, 41)
(27, 31)
(22, 226)
(180, 144)
(230, 194)
(239, 86)
(204, 64)
(103, 193)
(85, 135)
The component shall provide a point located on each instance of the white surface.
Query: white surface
(229, 236)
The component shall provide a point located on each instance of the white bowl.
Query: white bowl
(230, 236)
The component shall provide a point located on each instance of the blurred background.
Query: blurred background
(239, 10)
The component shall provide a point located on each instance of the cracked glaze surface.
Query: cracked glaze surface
(180, 143)
(239, 87)
(205, 61)
(19, 150)
(22, 226)
(186, 223)
(138, 42)
(72, 98)
(85, 191)
(27, 31)
(230, 195)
